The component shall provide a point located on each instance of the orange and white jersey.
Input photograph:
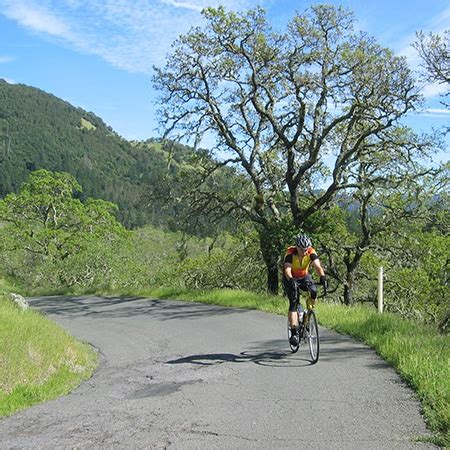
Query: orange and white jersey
(299, 266)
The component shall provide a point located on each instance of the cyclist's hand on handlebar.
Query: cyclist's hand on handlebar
(324, 283)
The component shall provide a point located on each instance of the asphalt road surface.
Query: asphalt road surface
(195, 376)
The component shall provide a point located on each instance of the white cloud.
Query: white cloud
(8, 80)
(35, 17)
(434, 90)
(186, 5)
(441, 22)
(409, 52)
(438, 111)
(6, 59)
(131, 35)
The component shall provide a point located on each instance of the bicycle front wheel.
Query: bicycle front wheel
(312, 335)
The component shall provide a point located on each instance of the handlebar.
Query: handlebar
(306, 283)
(301, 281)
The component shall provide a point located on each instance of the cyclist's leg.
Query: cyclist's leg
(307, 285)
(293, 302)
(304, 285)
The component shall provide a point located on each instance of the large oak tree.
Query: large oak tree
(292, 110)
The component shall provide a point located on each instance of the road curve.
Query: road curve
(193, 376)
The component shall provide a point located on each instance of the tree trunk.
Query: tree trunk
(348, 289)
(272, 279)
(270, 253)
(352, 265)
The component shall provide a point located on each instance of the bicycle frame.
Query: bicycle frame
(308, 325)
(310, 304)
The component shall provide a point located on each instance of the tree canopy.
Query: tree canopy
(296, 111)
(48, 224)
(434, 50)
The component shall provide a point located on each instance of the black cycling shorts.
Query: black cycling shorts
(292, 295)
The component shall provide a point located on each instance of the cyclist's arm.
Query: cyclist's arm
(288, 267)
(288, 271)
(319, 269)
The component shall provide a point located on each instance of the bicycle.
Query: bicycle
(308, 329)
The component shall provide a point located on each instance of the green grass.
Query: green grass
(7, 285)
(418, 353)
(38, 360)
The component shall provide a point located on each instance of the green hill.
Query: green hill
(39, 130)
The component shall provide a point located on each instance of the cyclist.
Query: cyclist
(297, 260)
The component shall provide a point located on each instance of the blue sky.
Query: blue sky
(99, 54)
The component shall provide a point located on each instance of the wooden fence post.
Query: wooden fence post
(380, 290)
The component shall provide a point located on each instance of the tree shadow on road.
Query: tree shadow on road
(119, 307)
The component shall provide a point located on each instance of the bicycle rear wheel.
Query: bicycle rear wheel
(312, 336)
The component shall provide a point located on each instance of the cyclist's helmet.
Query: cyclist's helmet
(303, 241)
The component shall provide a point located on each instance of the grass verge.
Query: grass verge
(38, 360)
(418, 353)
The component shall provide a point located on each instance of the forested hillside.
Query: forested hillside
(41, 131)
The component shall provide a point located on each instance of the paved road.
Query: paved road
(187, 375)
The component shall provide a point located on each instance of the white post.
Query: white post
(380, 290)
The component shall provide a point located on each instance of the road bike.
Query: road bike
(308, 329)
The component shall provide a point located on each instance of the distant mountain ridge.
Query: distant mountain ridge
(39, 130)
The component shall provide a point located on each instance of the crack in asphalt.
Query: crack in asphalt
(159, 389)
